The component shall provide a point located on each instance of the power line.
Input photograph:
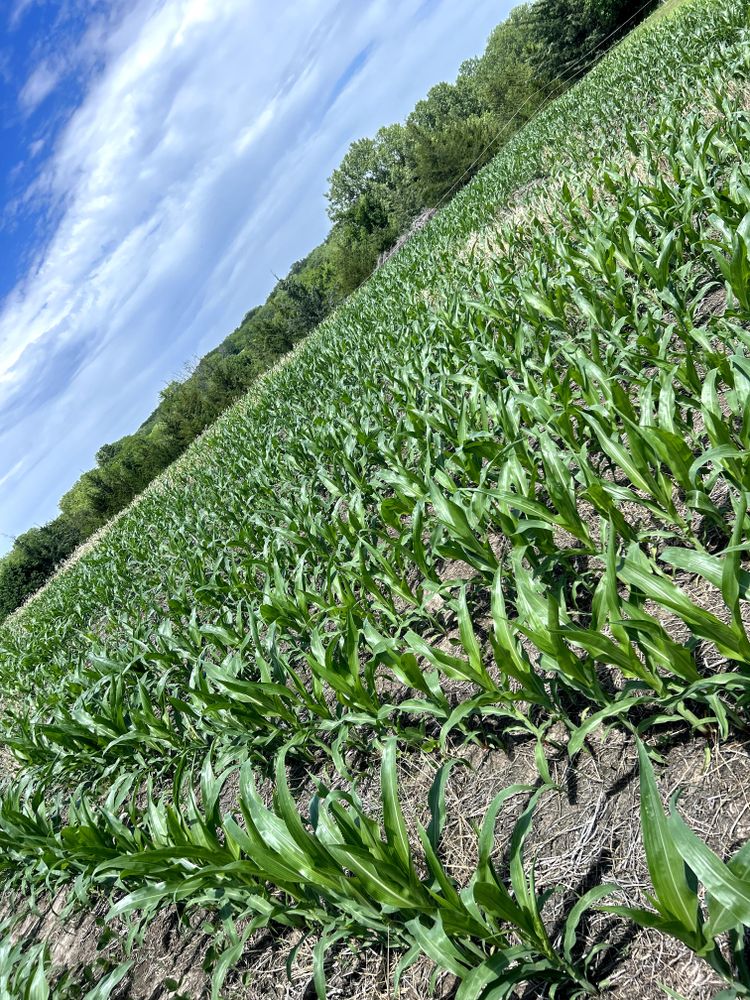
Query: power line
(557, 86)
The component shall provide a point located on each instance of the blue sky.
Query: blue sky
(160, 161)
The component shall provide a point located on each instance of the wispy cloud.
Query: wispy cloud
(191, 172)
(17, 11)
(39, 85)
(12, 471)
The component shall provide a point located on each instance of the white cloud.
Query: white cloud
(193, 170)
(13, 471)
(39, 86)
(18, 10)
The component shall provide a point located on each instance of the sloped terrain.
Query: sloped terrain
(462, 584)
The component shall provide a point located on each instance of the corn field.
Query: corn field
(499, 500)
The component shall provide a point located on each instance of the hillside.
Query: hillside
(381, 189)
(392, 680)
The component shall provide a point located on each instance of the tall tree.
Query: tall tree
(510, 76)
(574, 33)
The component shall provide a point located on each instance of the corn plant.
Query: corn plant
(490, 494)
(677, 862)
(26, 974)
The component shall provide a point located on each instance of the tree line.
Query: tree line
(382, 184)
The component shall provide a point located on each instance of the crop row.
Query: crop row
(504, 489)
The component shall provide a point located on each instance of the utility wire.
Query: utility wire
(557, 86)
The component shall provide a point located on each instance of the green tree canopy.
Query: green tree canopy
(570, 34)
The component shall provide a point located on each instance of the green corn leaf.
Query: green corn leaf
(495, 900)
(38, 988)
(509, 655)
(578, 736)
(715, 455)
(721, 918)
(730, 889)
(676, 896)
(603, 649)
(497, 977)
(140, 899)
(576, 914)
(452, 666)
(436, 802)
(674, 995)
(542, 764)
(273, 831)
(103, 989)
(435, 943)
(523, 885)
(383, 881)
(484, 705)
(287, 808)
(228, 958)
(539, 303)
(617, 452)
(393, 818)
(634, 572)
(730, 586)
(326, 941)
(709, 567)
(406, 961)
(487, 832)
(446, 886)
(468, 638)
(649, 918)
(454, 516)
